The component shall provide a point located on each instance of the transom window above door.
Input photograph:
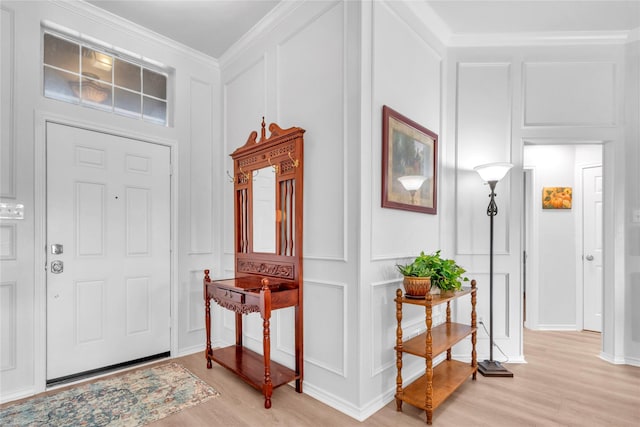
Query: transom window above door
(81, 74)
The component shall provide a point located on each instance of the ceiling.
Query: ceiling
(212, 26)
(208, 26)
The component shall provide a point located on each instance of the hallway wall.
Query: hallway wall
(502, 98)
(555, 250)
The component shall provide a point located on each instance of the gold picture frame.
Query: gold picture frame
(409, 153)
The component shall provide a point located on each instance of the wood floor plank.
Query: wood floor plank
(563, 383)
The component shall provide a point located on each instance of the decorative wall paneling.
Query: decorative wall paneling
(415, 92)
(268, 83)
(200, 171)
(7, 140)
(185, 68)
(483, 135)
(245, 101)
(317, 51)
(194, 302)
(569, 94)
(8, 325)
(328, 350)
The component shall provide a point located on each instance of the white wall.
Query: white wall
(306, 71)
(329, 67)
(193, 136)
(631, 352)
(303, 70)
(403, 63)
(503, 98)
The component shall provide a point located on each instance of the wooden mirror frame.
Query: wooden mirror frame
(283, 151)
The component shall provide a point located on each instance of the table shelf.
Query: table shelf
(439, 382)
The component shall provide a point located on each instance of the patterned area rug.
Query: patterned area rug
(132, 399)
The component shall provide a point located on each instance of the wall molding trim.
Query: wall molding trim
(270, 21)
(539, 39)
(98, 15)
(320, 364)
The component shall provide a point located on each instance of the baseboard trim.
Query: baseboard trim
(10, 397)
(334, 401)
(631, 361)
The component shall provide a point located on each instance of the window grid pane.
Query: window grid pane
(127, 103)
(128, 75)
(78, 74)
(154, 84)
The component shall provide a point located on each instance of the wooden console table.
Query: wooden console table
(268, 186)
(250, 295)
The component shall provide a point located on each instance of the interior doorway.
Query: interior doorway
(108, 251)
(562, 242)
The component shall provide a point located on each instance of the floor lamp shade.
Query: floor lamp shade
(491, 173)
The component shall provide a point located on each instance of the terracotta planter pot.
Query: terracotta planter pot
(416, 286)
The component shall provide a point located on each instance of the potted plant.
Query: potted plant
(431, 269)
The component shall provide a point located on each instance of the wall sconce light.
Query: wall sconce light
(492, 173)
(412, 183)
(102, 61)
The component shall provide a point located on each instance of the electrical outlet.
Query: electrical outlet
(480, 319)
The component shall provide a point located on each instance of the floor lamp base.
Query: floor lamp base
(491, 368)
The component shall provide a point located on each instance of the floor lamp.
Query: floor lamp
(492, 173)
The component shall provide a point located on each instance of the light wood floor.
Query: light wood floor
(564, 383)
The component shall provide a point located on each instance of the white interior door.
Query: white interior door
(592, 247)
(108, 287)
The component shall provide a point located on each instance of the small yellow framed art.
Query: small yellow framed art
(557, 197)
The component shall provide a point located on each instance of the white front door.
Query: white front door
(108, 250)
(592, 247)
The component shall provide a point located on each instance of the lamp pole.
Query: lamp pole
(492, 210)
(492, 173)
(492, 368)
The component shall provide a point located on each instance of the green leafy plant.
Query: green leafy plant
(444, 273)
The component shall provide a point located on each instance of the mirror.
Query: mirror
(264, 210)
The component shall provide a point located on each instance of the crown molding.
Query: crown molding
(119, 24)
(540, 39)
(270, 21)
(431, 20)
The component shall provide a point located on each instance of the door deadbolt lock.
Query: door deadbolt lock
(57, 267)
(589, 257)
(57, 249)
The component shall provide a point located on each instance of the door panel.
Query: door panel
(108, 205)
(592, 250)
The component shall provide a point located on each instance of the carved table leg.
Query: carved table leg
(399, 349)
(265, 311)
(429, 362)
(267, 388)
(299, 352)
(207, 319)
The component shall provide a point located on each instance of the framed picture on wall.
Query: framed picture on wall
(557, 197)
(409, 164)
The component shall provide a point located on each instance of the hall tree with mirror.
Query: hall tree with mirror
(268, 195)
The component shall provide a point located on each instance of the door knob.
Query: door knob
(589, 257)
(57, 267)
